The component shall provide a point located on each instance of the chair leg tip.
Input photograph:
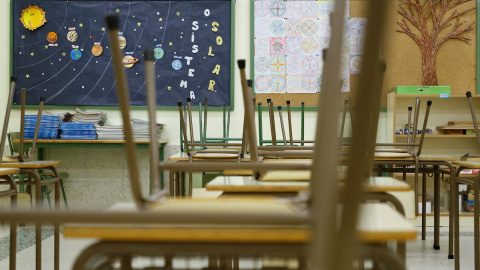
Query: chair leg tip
(451, 257)
(436, 247)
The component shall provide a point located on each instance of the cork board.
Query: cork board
(456, 60)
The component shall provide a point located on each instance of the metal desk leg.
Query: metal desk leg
(38, 226)
(456, 221)
(57, 229)
(126, 263)
(436, 213)
(451, 215)
(424, 204)
(476, 223)
(190, 184)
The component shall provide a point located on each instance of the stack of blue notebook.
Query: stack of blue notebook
(48, 126)
(77, 131)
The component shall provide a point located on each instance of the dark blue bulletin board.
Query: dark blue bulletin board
(192, 42)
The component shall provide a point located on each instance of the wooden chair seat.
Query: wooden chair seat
(216, 155)
(37, 164)
(392, 155)
(378, 223)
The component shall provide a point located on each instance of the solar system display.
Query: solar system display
(61, 50)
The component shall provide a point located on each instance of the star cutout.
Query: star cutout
(178, 13)
(45, 90)
(32, 54)
(160, 19)
(81, 25)
(63, 53)
(169, 88)
(181, 33)
(103, 28)
(46, 47)
(73, 19)
(27, 76)
(139, 23)
(170, 43)
(118, 10)
(103, 88)
(23, 36)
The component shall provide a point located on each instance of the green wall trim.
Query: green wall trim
(477, 84)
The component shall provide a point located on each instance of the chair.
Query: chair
(475, 182)
(31, 169)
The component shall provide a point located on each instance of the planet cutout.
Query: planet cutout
(76, 54)
(128, 61)
(122, 41)
(97, 49)
(176, 64)
(158, 53)
(52, 37)
(72, 36)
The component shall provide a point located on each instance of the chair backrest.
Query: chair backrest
(22, 156)
(14, 146)
(474, 116)
(190, 143)
(13, 84)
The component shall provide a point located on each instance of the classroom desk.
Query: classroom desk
(428, 164)
(59, 143)
(378, 223)
(12, 193)
(246, 184)
(31, 169)
(177, 179)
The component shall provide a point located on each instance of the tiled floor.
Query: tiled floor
(420, 254)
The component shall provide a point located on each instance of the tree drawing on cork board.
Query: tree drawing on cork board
(430, 23)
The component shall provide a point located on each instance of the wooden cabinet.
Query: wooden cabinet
(442, 111)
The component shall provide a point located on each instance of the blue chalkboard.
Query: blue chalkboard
(192, 41)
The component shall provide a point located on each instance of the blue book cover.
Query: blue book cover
(44, 116)
(82, 126)
(78, 137)
(77, 132)
(42, 125)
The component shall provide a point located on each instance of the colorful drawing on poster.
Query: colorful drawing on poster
(292, 36)
(33, 17)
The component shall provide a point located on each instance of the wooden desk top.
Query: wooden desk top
(7, 171)
(207, 156)
(407, 156)
(60, 141)
(37, 164)
(378, 223)
(247, 184)
(468, 164)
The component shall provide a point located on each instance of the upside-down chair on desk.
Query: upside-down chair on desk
(31, 168)
(473, 182)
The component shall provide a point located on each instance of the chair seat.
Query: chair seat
(378, 223)
(37, 164)
(389, 155)
(215, 156)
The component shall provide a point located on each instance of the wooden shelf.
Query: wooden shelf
(445, 214)
(438, 136)
(432, 96)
